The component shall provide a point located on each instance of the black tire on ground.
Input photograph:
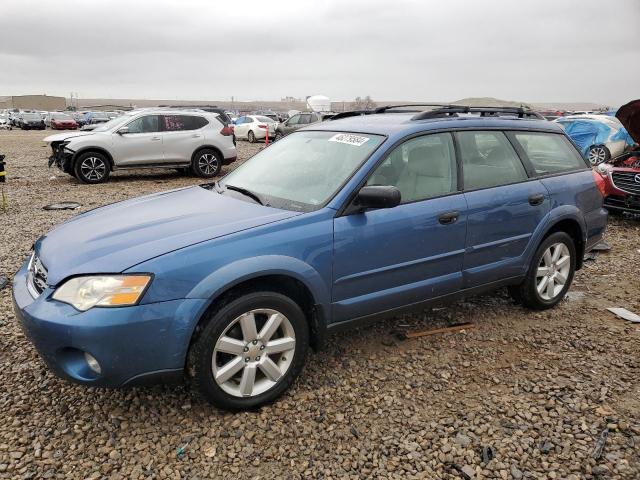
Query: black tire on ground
(202, 352)
(206, 163)
(527, 292)
(278, 136)
(92, 167)
(598, 154)
(251, 137)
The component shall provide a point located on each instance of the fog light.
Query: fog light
(92, 362)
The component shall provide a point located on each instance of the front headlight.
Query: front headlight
(102, 291)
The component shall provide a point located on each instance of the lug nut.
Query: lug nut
(257, 359)
(255, 342)
(247, 359)
(262, 347)
(246, 349)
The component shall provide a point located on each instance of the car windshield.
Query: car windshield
(113, 123)
(60, 116)
(31, 116)
(304, 170)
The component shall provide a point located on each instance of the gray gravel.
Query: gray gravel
(523, 395)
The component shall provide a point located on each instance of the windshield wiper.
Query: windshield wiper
(246, 193)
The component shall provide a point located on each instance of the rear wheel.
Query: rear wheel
(92, 167)
(550, 274)
(598, 154)
(206, 163)
(250, 351)
(251, 137)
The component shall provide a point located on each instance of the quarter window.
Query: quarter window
(146, 124)
(488, 160)
(549, 153)
(421, 168)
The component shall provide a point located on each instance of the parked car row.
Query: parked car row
(67, 120)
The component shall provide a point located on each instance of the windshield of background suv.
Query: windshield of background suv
(103, 127)
(304, 170)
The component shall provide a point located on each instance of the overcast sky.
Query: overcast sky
(527, 50)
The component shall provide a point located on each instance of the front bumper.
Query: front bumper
(623, 203)
(136, 345)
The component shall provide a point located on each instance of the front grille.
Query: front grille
(627, 182)
(37, 276)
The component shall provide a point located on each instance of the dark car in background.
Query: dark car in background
(300, 120)
(30, 121)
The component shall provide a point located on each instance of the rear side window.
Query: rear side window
(176, 123)
(549, 152)
(488, 160)
(304, 119)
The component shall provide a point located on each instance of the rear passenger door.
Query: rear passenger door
(181, 136)
(504, 207)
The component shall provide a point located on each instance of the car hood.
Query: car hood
(629, 116)
(59, 137)
(116, 237)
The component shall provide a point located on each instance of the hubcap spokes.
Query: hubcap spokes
(597, 155)
(553, 271)
(208, 163)
(93, 168)
(253, 353)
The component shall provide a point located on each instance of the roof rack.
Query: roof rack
(454, 110)
(443, 111)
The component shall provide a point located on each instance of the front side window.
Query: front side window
(304, 119)
(305, 169)
(488, 160)
(421, 168)
(146, 124)
(293, 120)
(549, 152)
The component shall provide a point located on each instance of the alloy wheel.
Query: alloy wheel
(597, 155)
(93, 168)
(553, 271)
(253, 353)
(208, 163)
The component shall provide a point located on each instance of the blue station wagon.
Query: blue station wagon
(340, 223)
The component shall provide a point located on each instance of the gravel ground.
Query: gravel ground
(523, 395)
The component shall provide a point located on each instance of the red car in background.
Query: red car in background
(62, 121)
(619, 179)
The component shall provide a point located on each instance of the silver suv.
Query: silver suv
(188, 139)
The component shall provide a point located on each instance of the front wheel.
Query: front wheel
(598, 154)
(550, 274)
(206, 163)
(278, 136)
(250, 351)
(251, 137)
(92, 167)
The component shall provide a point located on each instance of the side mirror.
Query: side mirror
(378, 196)
(123, 130)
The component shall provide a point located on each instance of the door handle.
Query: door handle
(448, 218)
(195, 136)
(536, 199)
(153, 139)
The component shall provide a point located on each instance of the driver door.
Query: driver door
(141, 144)
(389, 258)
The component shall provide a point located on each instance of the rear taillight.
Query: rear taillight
(601, 182)
(227, 131)
(262, 126)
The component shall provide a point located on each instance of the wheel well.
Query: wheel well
(571, 228)
(208, 147)
(93, 149)
(283, 284)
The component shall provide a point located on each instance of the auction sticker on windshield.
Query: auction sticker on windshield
(350, 139)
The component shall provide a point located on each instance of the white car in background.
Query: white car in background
(255, 127)
(152, 138)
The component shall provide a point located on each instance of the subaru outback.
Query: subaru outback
(341, 223)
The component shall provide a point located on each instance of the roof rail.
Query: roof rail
(454, 110)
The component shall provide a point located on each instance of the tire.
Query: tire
(598, 154)
(251, 137)
(209, 357)
(278, 136)
(92, 167)
(528, 292)
(206, 163)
